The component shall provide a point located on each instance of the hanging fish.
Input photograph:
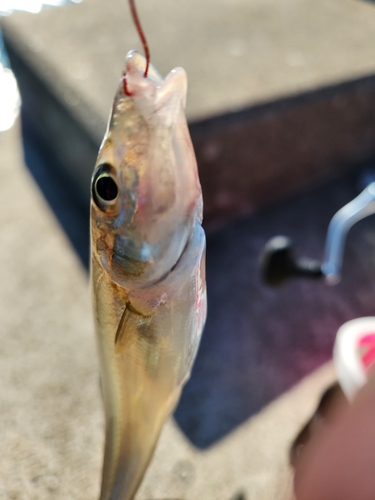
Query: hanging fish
(147, 266)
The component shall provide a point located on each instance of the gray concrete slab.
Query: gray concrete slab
(51, 432)
(49, 394)
(236, 52)
(273, 71)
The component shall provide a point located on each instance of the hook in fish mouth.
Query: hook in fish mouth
(142, 36)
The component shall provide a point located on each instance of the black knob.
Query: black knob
(278, 263)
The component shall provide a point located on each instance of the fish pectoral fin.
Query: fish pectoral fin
(132, 324)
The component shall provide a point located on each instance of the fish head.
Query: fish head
(146, 194)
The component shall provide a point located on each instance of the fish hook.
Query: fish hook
(141, 34)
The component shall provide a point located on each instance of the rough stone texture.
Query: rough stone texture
(51, 432)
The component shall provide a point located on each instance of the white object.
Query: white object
(34, 6)
(10, 100)
(354, 354)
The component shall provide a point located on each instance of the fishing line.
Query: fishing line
(142, 36)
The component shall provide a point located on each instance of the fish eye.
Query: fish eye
(104, 187)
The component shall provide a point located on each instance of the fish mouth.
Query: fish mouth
(136, 63)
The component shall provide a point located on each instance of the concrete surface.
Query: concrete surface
(49, 394)
(236, 52)
(233, 427)
(51, 432)
(273, 71)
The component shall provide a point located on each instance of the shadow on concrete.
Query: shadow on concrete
(59, 190)
(258, 342)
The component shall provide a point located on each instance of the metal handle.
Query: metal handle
(279, 263)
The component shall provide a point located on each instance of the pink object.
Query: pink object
(366, 346)
(354, 354)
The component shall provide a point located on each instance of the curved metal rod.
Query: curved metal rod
(362, 206)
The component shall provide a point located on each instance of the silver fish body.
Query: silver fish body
(147, 268)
